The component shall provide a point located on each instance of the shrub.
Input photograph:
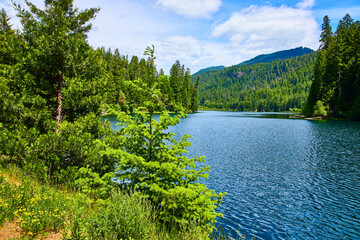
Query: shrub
(319, 109)
(124, 216)
(156, 165)
(60, 156)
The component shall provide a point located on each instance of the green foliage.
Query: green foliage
(336, 72)
(155, 164)
(176, 90)
(78, 145)
(93, 185)
(124, 216)
(162, 172)
(7, 204)
(319, 109)
(53, 85)
(275, 86)
(38, 208)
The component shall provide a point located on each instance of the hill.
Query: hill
(265, 58)
(217, 68)
(276, 86)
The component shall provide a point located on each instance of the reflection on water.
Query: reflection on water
(285, 178)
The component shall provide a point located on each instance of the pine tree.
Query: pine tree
(5, 26)
(57, 38)
(326, 34)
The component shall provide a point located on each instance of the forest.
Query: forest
(54, 89)
(281, 85)
(335, 90)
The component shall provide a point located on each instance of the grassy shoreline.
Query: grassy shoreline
(33, 210)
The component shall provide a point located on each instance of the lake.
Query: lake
(285, 178)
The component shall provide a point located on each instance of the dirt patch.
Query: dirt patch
(10, 230)
(54, 236)
(10, 179)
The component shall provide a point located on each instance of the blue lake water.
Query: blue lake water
(285, 178)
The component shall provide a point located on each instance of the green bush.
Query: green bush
(93, 185)
(60, 156)
(124, 216)
(319, 109)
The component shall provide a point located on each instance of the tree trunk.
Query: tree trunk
(59, 99)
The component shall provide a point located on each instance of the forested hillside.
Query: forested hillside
(280, 85)
(335, 90)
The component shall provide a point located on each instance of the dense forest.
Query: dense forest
(177, 91)
(54, 86)
(335, 90)
(280, 85)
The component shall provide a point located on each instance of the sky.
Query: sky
(204, 33)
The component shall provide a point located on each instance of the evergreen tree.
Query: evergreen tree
(194, 100)
(336, 78)
(57, 39)
(5, 26)
(326, 34)
(161, 172)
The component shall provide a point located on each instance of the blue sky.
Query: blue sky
(203, 33)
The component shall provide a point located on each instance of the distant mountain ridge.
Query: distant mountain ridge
(265, 58)
(285, 54)
(279, 85)
(217, 68)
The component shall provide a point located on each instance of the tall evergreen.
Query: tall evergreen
(326, 33)
(336, 73)
(57, 39)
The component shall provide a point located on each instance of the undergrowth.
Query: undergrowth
(42, 208)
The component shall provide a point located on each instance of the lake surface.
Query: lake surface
(285, 178)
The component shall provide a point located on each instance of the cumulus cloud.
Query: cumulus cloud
(268, 29)
(306, 4)
(192, 8)
(197, 54)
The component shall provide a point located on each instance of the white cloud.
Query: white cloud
(306, 4)
(267, 29)
(339, 13)
(131, 25)
(197, 54)
(192, 8)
